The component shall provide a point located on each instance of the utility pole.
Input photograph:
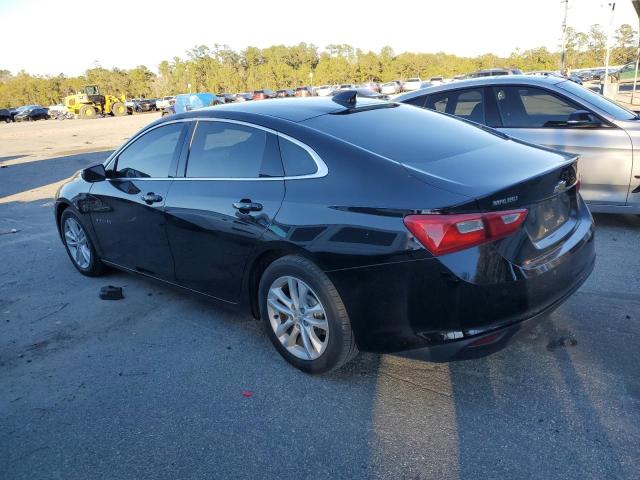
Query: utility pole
(563, 65)
(612, 5)
(636, 6)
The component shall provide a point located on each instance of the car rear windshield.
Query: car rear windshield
(597, 100)
(409, 135)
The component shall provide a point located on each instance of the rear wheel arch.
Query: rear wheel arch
(258, 266)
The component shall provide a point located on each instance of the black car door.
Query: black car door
(231, 190)
(128, 208)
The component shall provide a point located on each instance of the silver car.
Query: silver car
(559, 114)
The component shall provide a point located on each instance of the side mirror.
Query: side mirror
(97, 173)
(582, 118)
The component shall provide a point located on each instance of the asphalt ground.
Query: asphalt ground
(166, 385)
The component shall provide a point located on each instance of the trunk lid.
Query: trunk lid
(512, 176)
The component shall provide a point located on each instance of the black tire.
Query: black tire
(95, 266)
(341, 346)
(87, 112)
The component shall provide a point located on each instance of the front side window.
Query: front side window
(470, 105)
(527, 107)
(152, 154)
(597, 100)
(229, 150)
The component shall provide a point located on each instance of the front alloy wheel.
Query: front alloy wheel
(298, 318)
(78, 245)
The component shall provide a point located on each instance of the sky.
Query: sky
(50, 37)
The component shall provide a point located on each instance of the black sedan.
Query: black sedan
(32, 114)
(344, 224)
(5, 115)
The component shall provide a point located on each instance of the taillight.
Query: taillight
(442, 234)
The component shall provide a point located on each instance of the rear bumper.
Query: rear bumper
(468, 304)
(490, 340)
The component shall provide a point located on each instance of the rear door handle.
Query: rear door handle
(245, 205)
(151, 197)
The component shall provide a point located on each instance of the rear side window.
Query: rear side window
(152, 154)
(437, 102)
(295, 159)
(526, 107)
(417, 101)
(228, 150)
(468, 104)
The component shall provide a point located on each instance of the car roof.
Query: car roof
(485, 81)
(291, 109)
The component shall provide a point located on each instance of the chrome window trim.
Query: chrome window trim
(322, 169)
(115, 154)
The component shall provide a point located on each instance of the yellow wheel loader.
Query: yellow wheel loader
(89, 103)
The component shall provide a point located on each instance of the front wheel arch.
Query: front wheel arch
(60, 208)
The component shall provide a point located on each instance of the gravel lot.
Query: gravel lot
(151, 387)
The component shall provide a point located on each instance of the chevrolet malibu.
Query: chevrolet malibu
(340, 224)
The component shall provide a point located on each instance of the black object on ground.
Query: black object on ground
(111, 293)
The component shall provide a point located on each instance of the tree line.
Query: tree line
(221, 69)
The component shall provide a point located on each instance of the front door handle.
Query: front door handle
(151, 197)
(246, 205)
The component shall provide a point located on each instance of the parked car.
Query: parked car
(363, 92)
(559, 114)
(5, 116)
(148, 104)
(263, 94)
(412, 84)
(303, 92)
(140, 105)
(625, 75)
(325, 90)
(391, 88)
(186, 102)
(373, 86)
(436, 80)
(494, 72)
(31, 114)
(284, 93)
(15, 111)
(165, 102)
(585, 75)
(227, 97)
(458, 237)
(244, 97)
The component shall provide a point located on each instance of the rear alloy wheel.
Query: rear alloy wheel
(118, 109)
(304, 315)
(87, 112)
(79, 246)
(298, 318)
